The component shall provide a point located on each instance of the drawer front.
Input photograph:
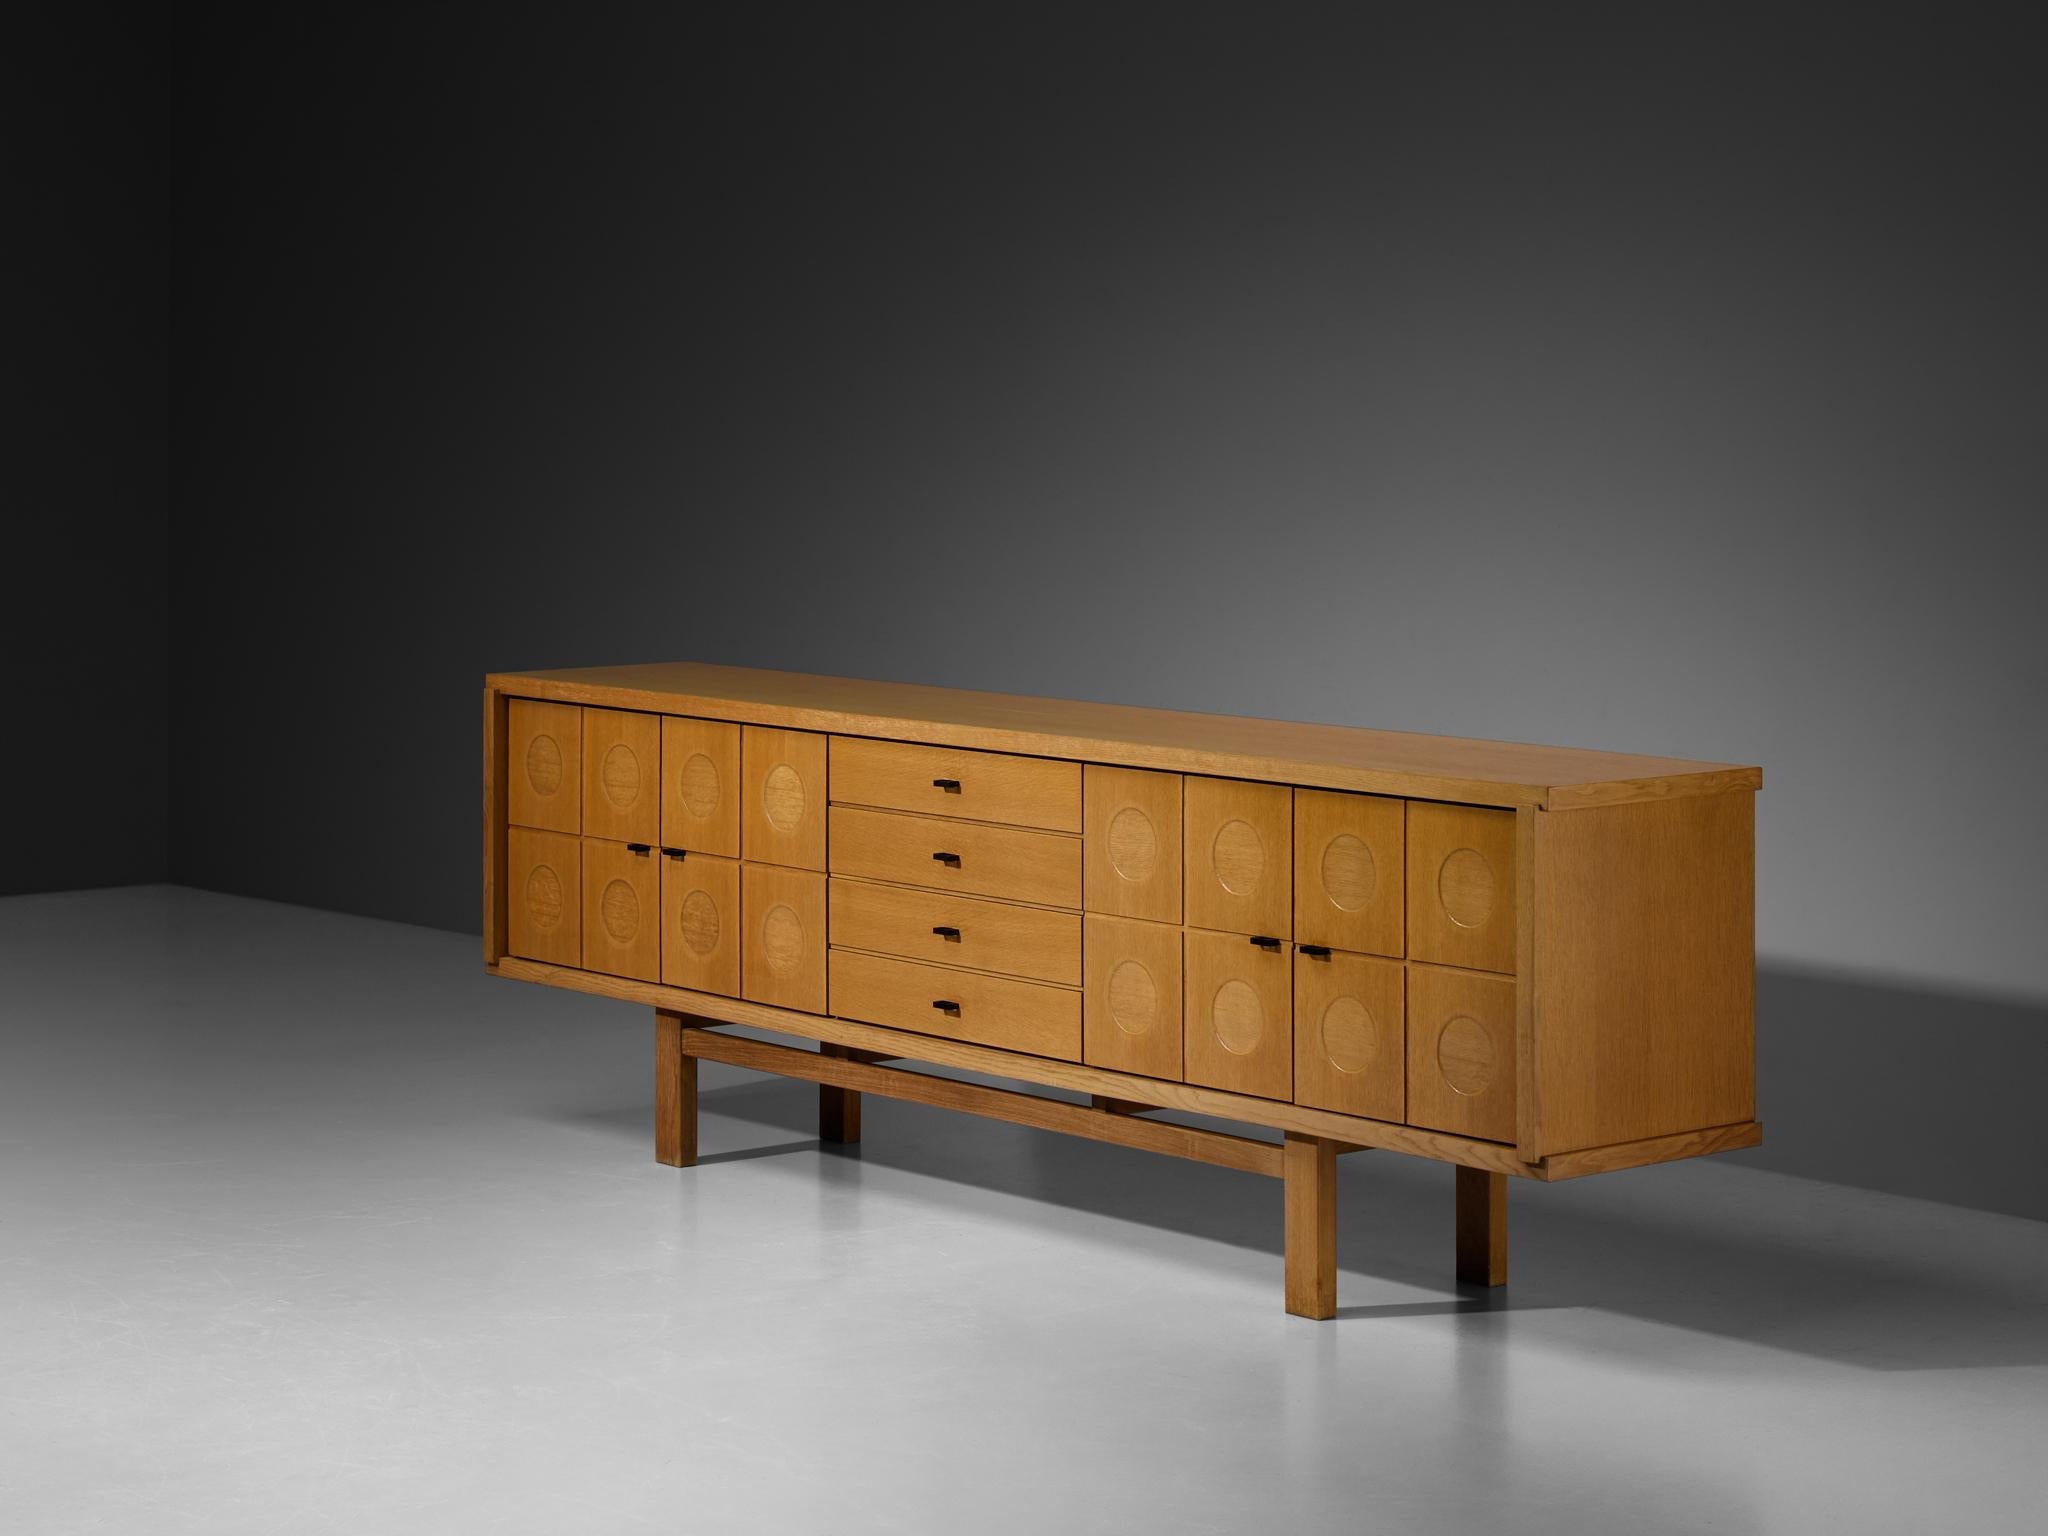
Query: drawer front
(782, 800)
(985, 1010)
(544, 896)
(962, 856)
(621, 910)
(1461, 886)
(700, 924)
(544, 765)
(1131, 1004)
(1461, 1053)
(1240, 853)
(782, 940)
(1350, 1044)
(1133, 843)
(1349, 854)
(622, 776)
(1239, 1030)
(953, 781)
(968, 931)
(700, 786)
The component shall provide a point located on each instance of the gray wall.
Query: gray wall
(1631, 380)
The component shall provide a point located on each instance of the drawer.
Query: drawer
(964, 856)
(621, 909)
(782, 797)
(968, 931)
(1239, 846)
(1239, 1019)
(1349, 854)
(1461, 886)
(961, 1005)
(1350, 1046)
(953, 781)
(782, 938)
(622, 775)
(1131, 1001)
(1461, 1053)
(544, 896)
(1132, 855)
(544, 765)
(700, 924)
(700, 786)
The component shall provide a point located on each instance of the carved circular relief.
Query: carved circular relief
(544, 898)
(1464, 1054)
(700, 923)
(620, 775)
(1347, 1035)
(782, 799)
(1236, 1017)
(620, 908)
(1238, 857)
(1133, 845)
(1465, 886)
(782, 939)
(1133, 998)
(1348, 873)
(700, 786)
(544, 765)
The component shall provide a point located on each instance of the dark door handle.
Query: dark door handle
(643, 849)
(950, 860)
(1265, 941)
(1315, 951)
(952, 934)
(946, 1005)
(950, 786)
(674, 853)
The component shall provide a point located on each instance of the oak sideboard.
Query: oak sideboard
(1525, 961)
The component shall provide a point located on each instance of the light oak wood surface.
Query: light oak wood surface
(949, 781)
(1131, 853)
(1239, 1012)
(972, 932)
(782, 942)
(1461, 887)
(1238, 861)
(497, 918)
(1013, 1015)
(622, 776)
(783, 795)
(700, 786)
(1350, 1038)
(1310, 1202)
(621, 910)
(544, 907)
(544, 758)
(1461, 1052)
(1350, 854)
(1131, 1008)
(675, 1094)
(701, 923)
(965, 857)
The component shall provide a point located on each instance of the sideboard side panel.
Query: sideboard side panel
(1645, 969)
(494, 825)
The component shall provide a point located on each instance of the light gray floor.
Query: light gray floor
(306, 1225)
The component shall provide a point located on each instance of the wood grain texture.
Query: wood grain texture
(1462, 894)
(1010, 863)
(971, 932)
(950, 781)
(1239, 1015)
(1350, 1035)
(497, 723)
(1131, 1003)
(544, 896)
(1311, 1226)
(700, 786)
(1132, 843)
(1350, 891)
(782, 940)
(544, 765)
(1461, 1052)
(1646, 949)
(621, 910)
(701, 923)
(1238, 856)
(1203, 1146)
(1321, 756)
(1528, 1101)
(1482, 1221)
(675, 1094)
(885, 1042)
(622, 776)
(783, 794)
(838, 1108)
(1656, 1149)
(1013, 1015)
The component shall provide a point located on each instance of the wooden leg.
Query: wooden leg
(675, 1094)
(1482, 1227)
(838, 1108)
(1309, 1164)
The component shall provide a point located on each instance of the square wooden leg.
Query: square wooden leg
(838, 1108)
(675, 1094)
(1482, 1227)
(1309, 1166)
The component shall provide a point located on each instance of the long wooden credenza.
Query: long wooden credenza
(1522, 960)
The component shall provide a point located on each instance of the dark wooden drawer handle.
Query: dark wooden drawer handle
(950, 860)
(675, 853)
(950, 786)
(950, 934)
(1265, 941)
(946, 1005)
(1315, 951)
(643, 849)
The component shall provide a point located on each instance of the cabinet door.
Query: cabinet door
(1349, 891)
(1239, 1021)
(1132, 840)
(1239, 847)
(622, 776)
(1350, 1049)
(782, 806)
(700, 924)
(782, 949)
(1131, 1008)
(700, 786)
(621, 910)
(1461, 886)
(1461, 1053)
(543, 896)
(544, 765)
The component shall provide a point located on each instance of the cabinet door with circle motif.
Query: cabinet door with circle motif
(622, 775)
(700, 923)
(1461, 886)
(621, 910)
(1239, 1019)
(700, 786)
(782, 943)
(1461, 1053)
(1348, 857)
(1131, 1008)
(1350, 1049)
(544, 765)
(1240, 851)
(782, 805)
(543, 896)
(1132, 843)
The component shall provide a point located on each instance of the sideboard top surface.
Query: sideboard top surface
(1331, 756)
